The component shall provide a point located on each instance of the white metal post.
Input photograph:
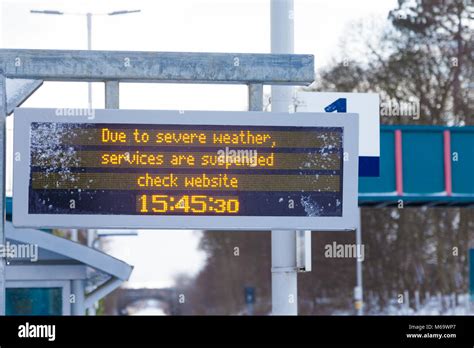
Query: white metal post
(90, 233)
(78, 290)
(255, 93)
(112, 98)
(284, 275)
(74, 235)
(3, 134)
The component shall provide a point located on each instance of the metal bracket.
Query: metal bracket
(284, 269)
(303, 251)
(18, 91)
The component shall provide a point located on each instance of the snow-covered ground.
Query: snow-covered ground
(435, 307)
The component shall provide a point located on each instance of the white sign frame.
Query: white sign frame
(364, 104)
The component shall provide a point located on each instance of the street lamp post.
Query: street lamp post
(90, 233)
(89, 30)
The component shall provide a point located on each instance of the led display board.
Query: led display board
(193, 169)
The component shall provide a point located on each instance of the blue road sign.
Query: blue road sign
(364, 104)
(249, 295)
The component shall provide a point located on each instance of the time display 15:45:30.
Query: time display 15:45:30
(190, 204)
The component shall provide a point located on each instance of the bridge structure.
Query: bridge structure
(124, 297)
(422, 166)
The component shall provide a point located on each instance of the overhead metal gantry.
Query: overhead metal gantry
(29, 68)
(179, 67)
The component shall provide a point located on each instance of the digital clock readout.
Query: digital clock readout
(195, 204)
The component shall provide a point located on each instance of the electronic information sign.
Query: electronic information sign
(196, 169)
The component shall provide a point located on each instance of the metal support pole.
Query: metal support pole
(284, 270)
(89, 47)
(417, 301)
(112, 95)
(303, 250)
(406, 299)
(75, 235)
(256, 97)
(78, 291)
(3, 134)
(112, 99)
(282, 36)
(358, 291)
(250, 309)
(255, 104)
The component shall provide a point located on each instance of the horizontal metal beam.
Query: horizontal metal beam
(125, 66)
